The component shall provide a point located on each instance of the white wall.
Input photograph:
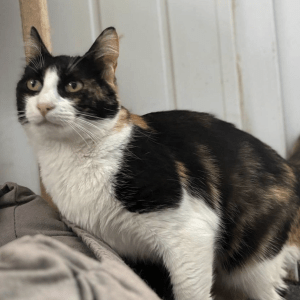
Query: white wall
(17, 162)
(238, 59)
(288, 36)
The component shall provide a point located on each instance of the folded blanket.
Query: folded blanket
(62, 262)
(22, 212)
(40, 267)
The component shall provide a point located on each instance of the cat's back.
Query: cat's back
(183, 132)
(198, 128)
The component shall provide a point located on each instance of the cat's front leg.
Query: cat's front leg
(190, 263)
(187, 239)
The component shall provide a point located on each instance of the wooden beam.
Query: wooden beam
(35, 13)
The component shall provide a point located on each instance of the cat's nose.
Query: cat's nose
(44, 108)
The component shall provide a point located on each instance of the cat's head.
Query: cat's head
(60, 95)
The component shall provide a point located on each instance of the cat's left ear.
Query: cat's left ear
(105, 52)
(35, 46)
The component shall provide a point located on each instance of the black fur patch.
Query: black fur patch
(282, 293)
(255, 220)
(155, 275)
(147, 180)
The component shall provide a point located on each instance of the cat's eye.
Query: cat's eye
(34, 85)
(74, 86)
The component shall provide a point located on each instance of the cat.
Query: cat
(210, 202)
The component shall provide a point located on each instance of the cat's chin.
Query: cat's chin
(45, 130)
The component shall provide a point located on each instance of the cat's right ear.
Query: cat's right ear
(35, 46)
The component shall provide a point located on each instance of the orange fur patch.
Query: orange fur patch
(93, 88)
(212, 171)
(281, 194)
(139, 121)
(182, 172)
(294, 236)
(289, 175)
(123, 119)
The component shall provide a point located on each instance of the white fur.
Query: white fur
(78, 169)
(259, 280)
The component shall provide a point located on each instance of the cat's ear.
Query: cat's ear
(35, 46)
(105, 52)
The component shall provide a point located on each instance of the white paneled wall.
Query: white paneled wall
(143, 74)
(17, 161)
(257, 67)
(287, 20)
(196, 55)
(237, 59)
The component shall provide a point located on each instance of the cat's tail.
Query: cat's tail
(292, 258)
(294, 158)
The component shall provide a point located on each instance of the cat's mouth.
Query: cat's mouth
(46, 122)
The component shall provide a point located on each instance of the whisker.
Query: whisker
(13, 118)
(34, 69)
(89, 115)
(108, 109)
(41, 62)
(35, 64)
(69, 123)
(93, 137)
(71, 62)
(88, 123)
(79, 60)
(22, 122)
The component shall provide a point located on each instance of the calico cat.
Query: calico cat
(211, 202)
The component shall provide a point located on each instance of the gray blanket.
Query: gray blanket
(45, 257)
(62, 261)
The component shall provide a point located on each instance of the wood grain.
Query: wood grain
(35, 13)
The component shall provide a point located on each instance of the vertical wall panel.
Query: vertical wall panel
(141, 72)
(94, 13)
(195, 47)
(258, 71)
(288, 33)
(17, 161)
(71, 31)
(166, 47)
(228, 63)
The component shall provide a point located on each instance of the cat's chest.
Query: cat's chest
(82, 188)
(81, 183)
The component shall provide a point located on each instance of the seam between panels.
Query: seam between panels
(280, 85)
